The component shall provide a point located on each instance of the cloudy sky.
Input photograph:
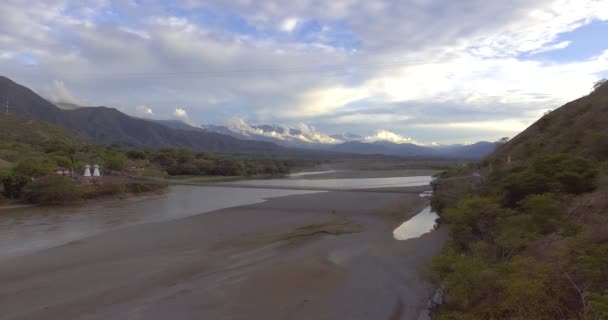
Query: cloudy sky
(430, 70)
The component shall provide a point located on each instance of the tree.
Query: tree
(13, 184)
(115, 162)
(34, 168)
(52, 189)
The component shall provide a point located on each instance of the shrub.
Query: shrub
(13, 184)
(115, 162)
(52, 189)
(34, 168)
(554, 173)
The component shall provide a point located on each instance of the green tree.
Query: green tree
(474, 219)
(115, 162)
(52, 189)
(13, 184)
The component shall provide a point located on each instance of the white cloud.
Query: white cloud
(58, 92)
(369, 118)
(385, 135)
(299, 132)
(508, 125)
(182, 115)
(144, 112)
(289, 24)
(464, 65)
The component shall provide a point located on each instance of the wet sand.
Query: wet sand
(327, 255)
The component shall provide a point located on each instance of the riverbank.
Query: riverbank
(324, 255)
(86, 194)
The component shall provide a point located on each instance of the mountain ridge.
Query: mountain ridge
(103, 125)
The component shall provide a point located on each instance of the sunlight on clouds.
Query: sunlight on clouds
(241, 60)
(289, 24)
(368, 118)
(182, 115)
(509, 125)
(385, 135)
(326, 100)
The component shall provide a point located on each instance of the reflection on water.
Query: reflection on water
(420, 224)
(25, 230)
(340, 183)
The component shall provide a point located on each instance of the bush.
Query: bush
(115, 162)
(34, 168)
(554, 173)
(52, 189)
(474, 219)
(137, 155)
(13, 184)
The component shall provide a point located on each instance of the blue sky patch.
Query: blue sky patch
(585, 42)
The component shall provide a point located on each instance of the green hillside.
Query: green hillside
(13, 128)
(530, 237)
(21, 137)
(579, 127)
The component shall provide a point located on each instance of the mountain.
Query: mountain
(477, 150)
(176, 124)
(33, 132)
(388, 148)
(579, 127)
(103, 125)
(307, 137)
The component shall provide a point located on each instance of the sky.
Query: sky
(428, 71)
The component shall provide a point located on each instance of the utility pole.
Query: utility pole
(6, 104)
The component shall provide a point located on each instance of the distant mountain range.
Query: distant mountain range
(308, 137)
(104, 125)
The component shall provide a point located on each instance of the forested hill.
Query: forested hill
(579, 127)
(530, 237)
(108, 126)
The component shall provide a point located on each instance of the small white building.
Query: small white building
(96, 172)
(87, 171)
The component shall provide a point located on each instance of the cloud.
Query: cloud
(329, 64)
(58, 92)
(385, 135)
(369, 118)
(144, 112)
(299, 132)
(289, 24)
(507, 125)
(182, 115)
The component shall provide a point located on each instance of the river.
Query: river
(26, 230)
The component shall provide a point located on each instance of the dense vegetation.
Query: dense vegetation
(529, 239)
(30, 152)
